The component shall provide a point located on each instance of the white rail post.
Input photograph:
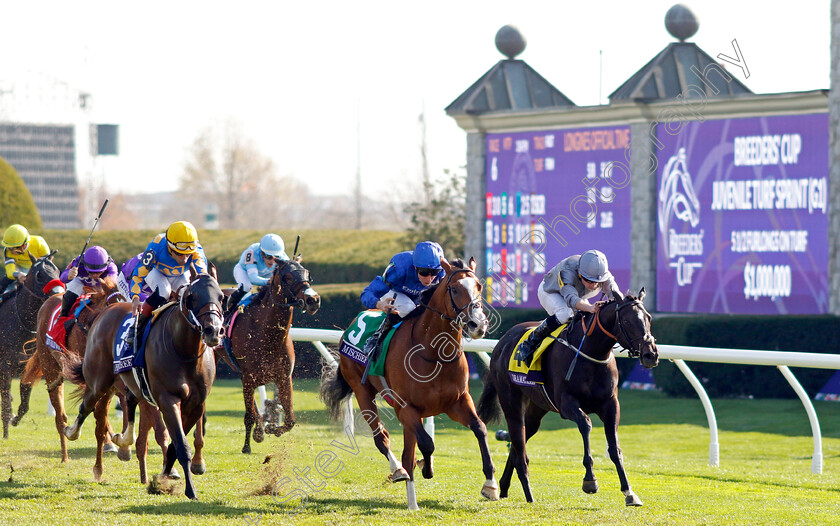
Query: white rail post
(817, 459)
(349, 422)
(714, 447)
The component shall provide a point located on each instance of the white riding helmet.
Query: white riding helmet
(272, 245)
(593, 266)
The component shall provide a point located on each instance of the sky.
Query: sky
(325, 87)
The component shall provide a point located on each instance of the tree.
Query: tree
(440, 214)
(16, 204)
(226, 169)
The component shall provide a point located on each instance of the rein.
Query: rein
(634, 353)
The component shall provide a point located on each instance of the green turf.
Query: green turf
(764, 475)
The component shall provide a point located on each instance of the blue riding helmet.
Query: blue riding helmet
(427, 254)
(272, 245)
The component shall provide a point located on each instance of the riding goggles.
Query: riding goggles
(184, 247)
(426, 272)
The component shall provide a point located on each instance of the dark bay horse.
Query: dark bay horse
(426, 374)
(18, 314)
(591, 388)
(179, 369)
(260, 343)
(49, 362)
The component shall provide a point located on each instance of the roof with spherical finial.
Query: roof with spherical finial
(509, 41)
(681, 22)
(510, 85)
(682, 69)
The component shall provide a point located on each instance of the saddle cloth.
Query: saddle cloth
(123, 357)
(520, 373)
(56, 337)
(354, 338)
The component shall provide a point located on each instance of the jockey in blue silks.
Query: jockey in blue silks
(165, 266)
(398, 289)
(256, 265)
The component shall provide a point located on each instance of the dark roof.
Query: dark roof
(673, 70)
(509, 85)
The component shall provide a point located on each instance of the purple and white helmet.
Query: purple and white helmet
(96, 259)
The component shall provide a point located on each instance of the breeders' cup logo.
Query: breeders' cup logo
(678, 198)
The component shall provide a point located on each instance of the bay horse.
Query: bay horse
(18, 314)
(261, 347)
(590, 387)
(426, 374)
(48, 362)
(179, 369)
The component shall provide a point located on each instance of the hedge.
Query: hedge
(16, 204)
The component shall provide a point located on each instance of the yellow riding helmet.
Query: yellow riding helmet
(15, 236)
(182, 237)
(38, 247)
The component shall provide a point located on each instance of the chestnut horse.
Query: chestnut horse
(179, 369)
(48, 362)
(18, 314)
(426, 374)
(574, 386)
(263, 351)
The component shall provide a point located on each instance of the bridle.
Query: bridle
(633, 352)
(302, 282)
(33, 294)
(460, 320)
(193, 320)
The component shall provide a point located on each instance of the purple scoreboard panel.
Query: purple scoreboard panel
(549, 197)
(743, 216)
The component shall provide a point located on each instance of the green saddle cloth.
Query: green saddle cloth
(362, 328)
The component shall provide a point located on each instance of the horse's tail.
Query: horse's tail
(72, 368)
(33, 371)
(334, 389)
(489, 410)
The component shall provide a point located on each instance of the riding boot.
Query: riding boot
(374, 343)
(543, 330)
(67, 303)
(234, 299)
(133, 335)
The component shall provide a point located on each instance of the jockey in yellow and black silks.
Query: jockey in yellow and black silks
(17, 247)
(165, 266)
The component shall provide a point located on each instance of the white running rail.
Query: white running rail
(678, 353)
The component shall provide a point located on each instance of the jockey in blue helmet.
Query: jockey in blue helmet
(398, 289)
(256, 264)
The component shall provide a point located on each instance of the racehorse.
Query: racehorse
(179, 369)
(261, 347)
(426, 374)
(18, 314)
(48, 362)
(572, 387)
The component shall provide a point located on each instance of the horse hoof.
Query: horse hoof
(15, 421)
(69, 433)
(246, 450)
(97, 474)
(173, 474)
(590, 486)
(399, 475)
(270, 428)
(124, 454)
(632, 500)
(198, 469)
(109, 447)
(258, 434)
(490, 491)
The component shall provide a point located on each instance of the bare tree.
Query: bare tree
(225, 168)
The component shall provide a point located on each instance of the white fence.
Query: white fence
(678, 354)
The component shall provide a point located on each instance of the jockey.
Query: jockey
(89, 271)
(564, 291)
(164, 267)
(255, 266)
(398, 289)
(17, 247)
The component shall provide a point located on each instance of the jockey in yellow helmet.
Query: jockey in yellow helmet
(165, 266)
(17, 247)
